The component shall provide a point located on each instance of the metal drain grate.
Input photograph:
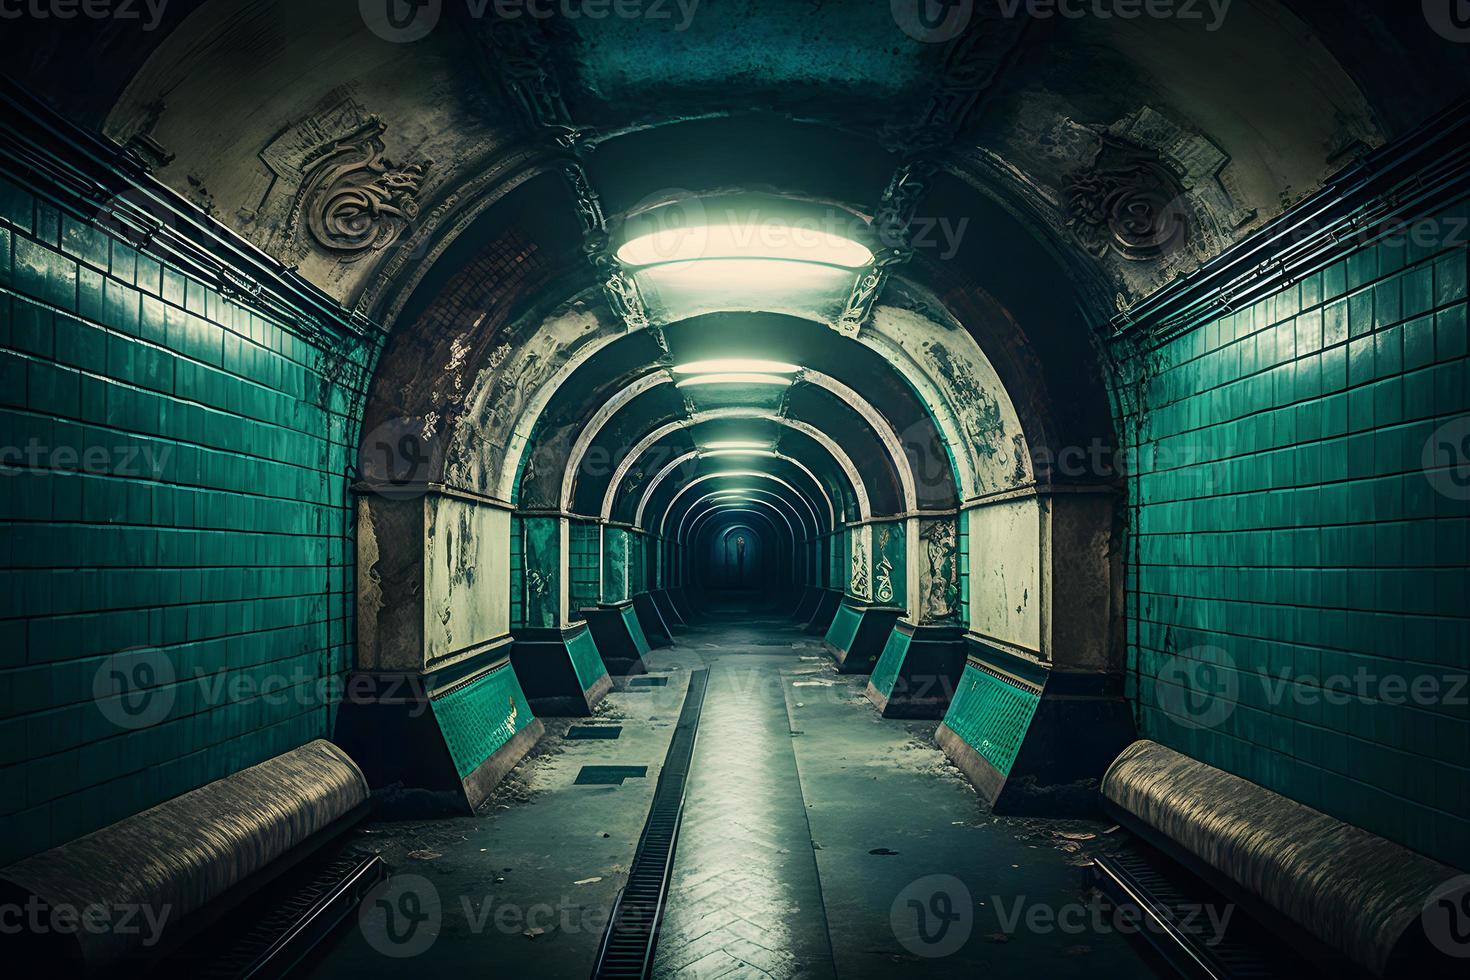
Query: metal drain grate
(649, 682)
(281, 937)
(632, 933)
(609, 775)
(1176, 929)
(604, 732)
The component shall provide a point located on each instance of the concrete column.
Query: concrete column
(434, 645)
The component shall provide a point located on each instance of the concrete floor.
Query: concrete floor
(818, 840)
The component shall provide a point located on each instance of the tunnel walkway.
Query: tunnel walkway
(745, 895)
(811, 827)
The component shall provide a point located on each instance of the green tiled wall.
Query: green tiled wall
(584, 588)
(885, 671)
(640, 562)
(1283, 525)
(962, 554)
(586, 661)
(839, 568)
(617, 559)
(635, 630)
(991, 716)
(844, 627)
(480, 717)
(175, 480)
(517, 572)
(538, 549)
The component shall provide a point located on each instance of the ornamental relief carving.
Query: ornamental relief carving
(1154, 192)
(353, 200)
(1128, 202)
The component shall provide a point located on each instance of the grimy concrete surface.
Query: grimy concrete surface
(818, 840)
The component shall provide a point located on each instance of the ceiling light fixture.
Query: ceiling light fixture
(736, 444)
(732, 378)
(736, 365)
(755, 239)
(767, 453)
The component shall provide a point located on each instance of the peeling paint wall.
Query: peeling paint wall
(965, 394)
(939, 583)
(466, 577)
(1005, 572)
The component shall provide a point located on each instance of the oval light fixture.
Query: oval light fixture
(737, 365)
(733, 378)
(768, 453)
(736, 444)
(790, 241)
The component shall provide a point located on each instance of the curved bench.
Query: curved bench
(172, 860)
(1356, 894)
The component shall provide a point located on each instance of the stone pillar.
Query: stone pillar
(554, 655)
(923, 656)
(434, 702)
(1039, 712)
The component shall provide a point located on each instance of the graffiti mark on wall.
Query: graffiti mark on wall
(860, 583)
(940, 579)
(883, 571)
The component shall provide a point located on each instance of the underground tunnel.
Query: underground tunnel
(678, 488)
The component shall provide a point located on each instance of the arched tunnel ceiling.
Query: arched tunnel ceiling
(594, 431)
(266, 113)
(1259, 106)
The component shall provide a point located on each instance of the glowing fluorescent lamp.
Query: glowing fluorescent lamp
(736, 444)
(739, 452)
(733, 378)
(736, 365)
(753, 240)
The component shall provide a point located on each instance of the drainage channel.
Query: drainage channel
(1173, 908)
(632, 933)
